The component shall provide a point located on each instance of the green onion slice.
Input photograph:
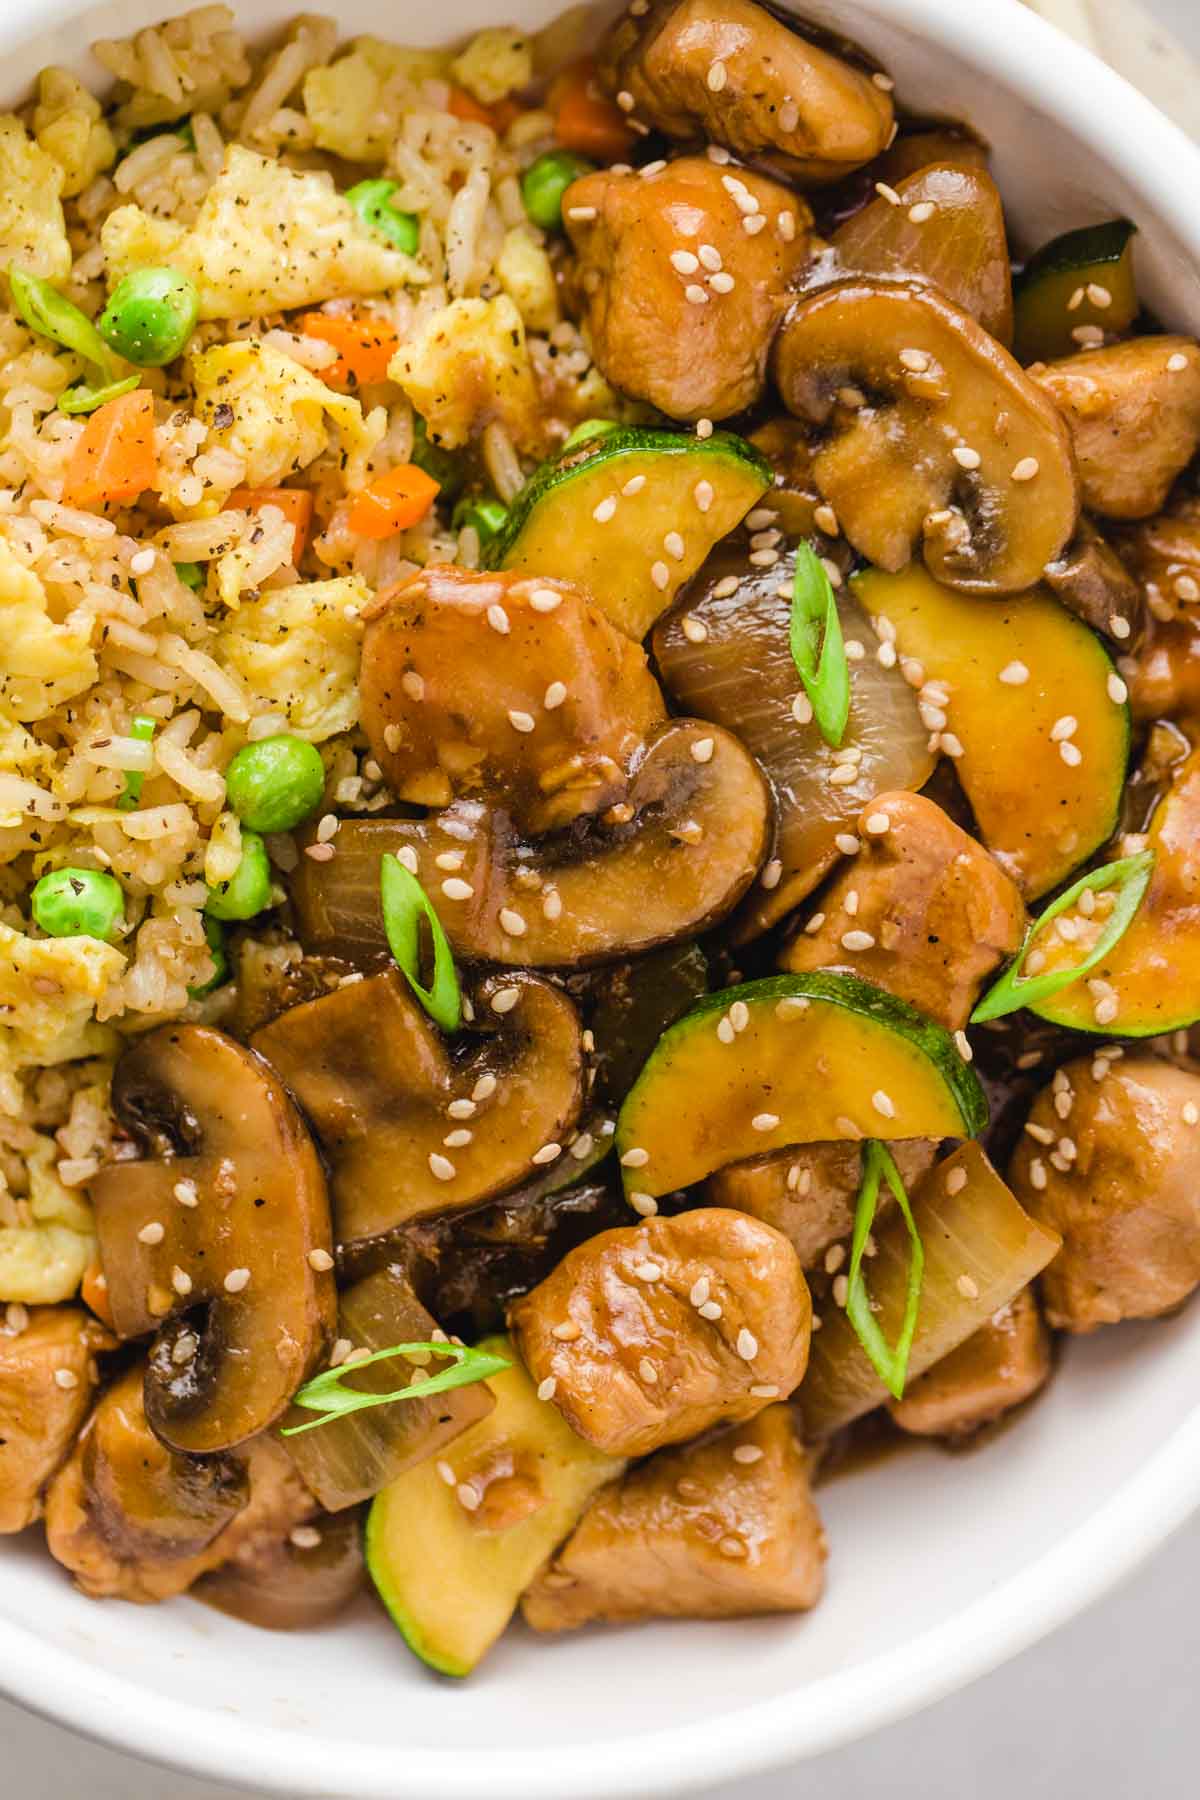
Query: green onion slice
(890, 1361)
(818, 650)
(1131, 877)
(191, 575)
(405, 904)
(142, 727)
(46, 311)
(326, 1393)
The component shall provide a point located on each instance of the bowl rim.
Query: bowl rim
(1103, 112)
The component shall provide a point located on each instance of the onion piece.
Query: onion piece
(981, 1248)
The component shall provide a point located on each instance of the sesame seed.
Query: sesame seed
(763, 559)
(604, 510)
(716, 77)
(700, 1291)
(652, 168)
(826, 520)
(922, 211)
(963, 1044)
(502, 1001)
(660, 575)
(66, 1378)
(645, 1204)
(521, 721)
(846, 1127)
(413, 684)
(709, 1309)
(1118, 693)
(440, 1167)
(1026, 469)
(1177, 362)
(457, 889)
(552, 905)
(467, 1497)
(765, 1122)
(154, 1233)
(542, 600)
(916, 361)
(747, 1454)
(1099, 296)
(951, 745)
(1037, 1173)
(694, 630)
(1039, 1133)
(647, 1371)
(695, 295)
(236, 1281)
(792, 1006)
(802, 710)
(753, 223)
(567, 1332)
(141, 562)
(320, 1260)
(1071, 754)
(965, 457)
(841, 1290)
(683, 262)
(883, 1104)
(181, 1281)
(674, 546)
(547, 1388)
(888, 193)
(739, 1015)
(1064, 727)
(635, 1158)
(458, 1140)
(1186, 588)
(725, 1031)
(1088, 335)
(497, 618)
(408, 858)
(967, 1288)
(1014, 674)
(450, 859)
(1119, 627)
(747, 1345)
(547, 1154)
(772, 874)
(702, 750)
(304, 1537)
(647, 1271)
(625, 99)
(704, 428)
(835, 1256)
(847, 843)
(877, 824)
(1189, 1112)
(722, 282)
(765, 1390)
(842, 775)
(882, 81)
(857, 940)
(320, 853)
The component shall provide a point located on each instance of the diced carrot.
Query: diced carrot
(465, 106)
(93, 1292)
(504, 112)
(586, 120)
(365, 346)
(392, 503)
(114, 460)
(296, 505)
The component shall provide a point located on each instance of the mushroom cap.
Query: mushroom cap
(227, 1276)
(931, 383)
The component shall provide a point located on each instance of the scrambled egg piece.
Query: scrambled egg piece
(45, 1262)
(69, 126)
(467, 367)
(48, 993)
(494, 63)
(27, 805)
(41, 663)
(266, 239)
(296, 651)
(527, 277)
(272, 411)
(351, 101)
(32, 230)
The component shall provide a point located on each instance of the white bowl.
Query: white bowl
(941, 1567)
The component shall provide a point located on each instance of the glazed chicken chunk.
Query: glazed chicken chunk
(1119, 1177)
(1002, 1364)
(940, 913)
(729, 71)
(715, 1530)
(650, 1334)
(684, 271)
(808, 1191)
(47, 1378)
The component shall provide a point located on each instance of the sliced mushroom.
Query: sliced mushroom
(352, 1457)
(934, 438)
(411, 1125)
(1133, 410)
(717, 1530)
(1091, 580)
(130, 1518)
(544, 714)
(725, 654)
(729, 71)
(210, 1239)
(1000, 1366)
(680, 300)
(47, 1379)
(293, 1581)
(652, 1333)
(943, 224)
(675, 857)
(808, 1191)
(922, 910)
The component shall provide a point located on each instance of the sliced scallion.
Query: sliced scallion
(405, 905)
(142, 727)
(327, 1394)
(1130, 877)
(817, 646)
(51, 315)
(890, 1361)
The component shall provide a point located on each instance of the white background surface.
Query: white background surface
(1106, 1709)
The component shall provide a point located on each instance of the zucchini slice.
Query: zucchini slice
(793, 1059)
(1016, 671)
(451, 1574)
(1153, 972)
(1095, 264)
(674, 496)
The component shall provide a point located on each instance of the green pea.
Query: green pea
(587, 429)
(78, 903)
(482, 511)
(191, 575)
(214, 933)
(372, 201)
(546, 181)
(150, 316)
(248, 890)
(273, 784)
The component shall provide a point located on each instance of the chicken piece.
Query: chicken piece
(1092, 582)
(1164, 674)
(1133, 410)
(47, 1377)
(809, 1190)
(729, 71)
(1002, 1364)
(1119, 1177)
(717, 1530)
(681, 301)
(1162, 555)
(131, 1519)
(939, 911)
(652, 1333)
(543, 717)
